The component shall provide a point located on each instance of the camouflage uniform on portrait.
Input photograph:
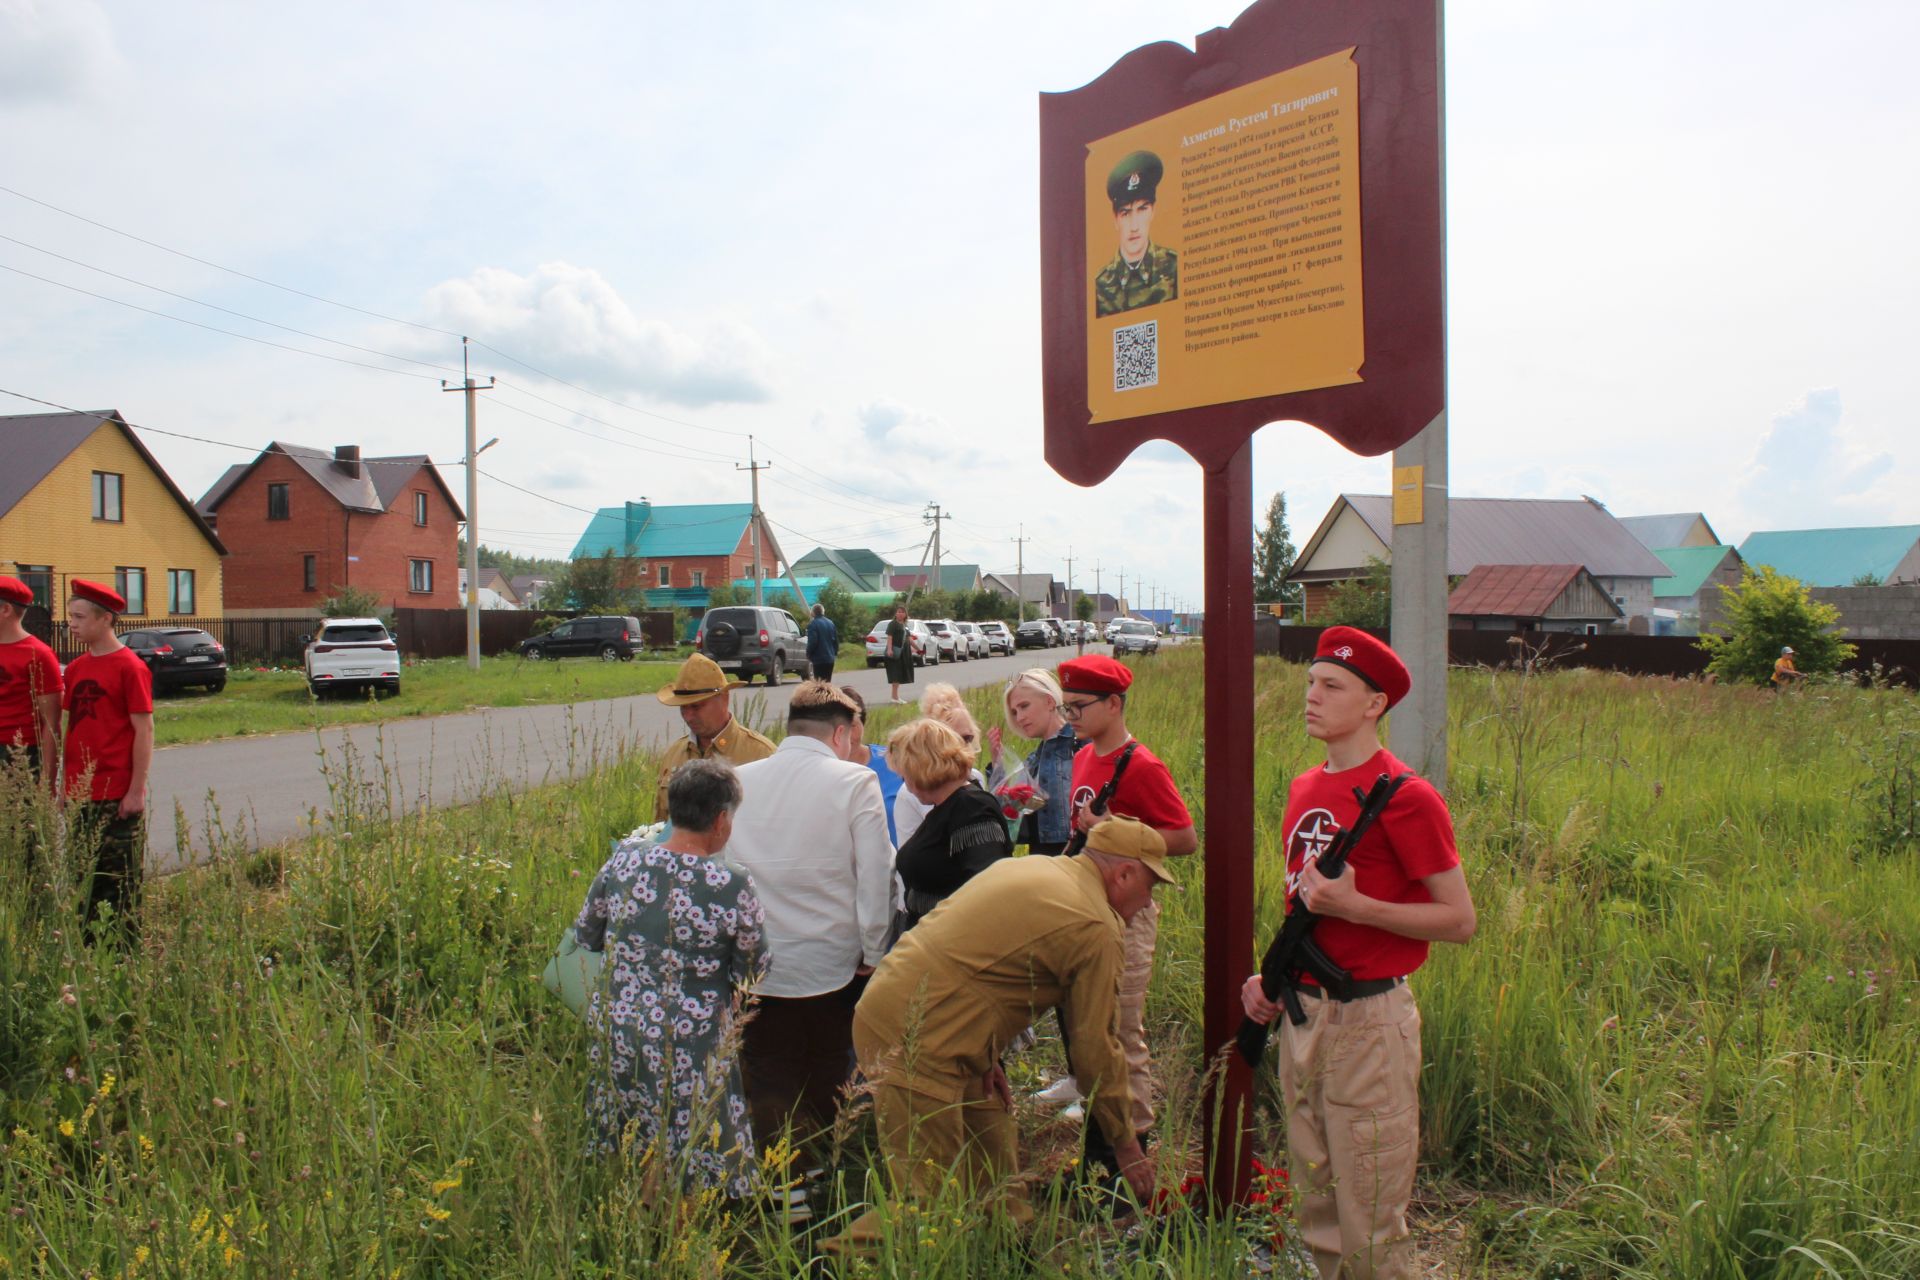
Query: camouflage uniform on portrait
(1142, 273)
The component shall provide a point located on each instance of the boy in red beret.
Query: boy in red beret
(109, 703)
(1095, 704)
(29, 685)
(1350, 1076)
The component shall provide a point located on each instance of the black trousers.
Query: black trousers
(822, 670)
(117, 848)
(796, 1057)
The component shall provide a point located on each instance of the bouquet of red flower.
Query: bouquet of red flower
(1269, 1201)
(1018, 793)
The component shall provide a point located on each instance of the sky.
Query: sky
(1679, 259)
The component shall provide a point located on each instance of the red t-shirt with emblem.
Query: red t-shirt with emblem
(1146, 790)
(103, 694)
(1410, 840)
(28, 670)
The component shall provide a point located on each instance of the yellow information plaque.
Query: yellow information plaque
(1409, 495)
(1223, 247)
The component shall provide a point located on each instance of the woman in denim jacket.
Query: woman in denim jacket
(1033, 711)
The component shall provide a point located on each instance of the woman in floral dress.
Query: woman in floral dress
(681, 933)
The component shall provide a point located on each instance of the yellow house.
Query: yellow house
(80, 497)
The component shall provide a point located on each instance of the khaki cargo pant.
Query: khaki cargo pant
(1135, 975)
(1350, 1078)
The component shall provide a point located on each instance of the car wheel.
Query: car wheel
(874, 662)
(393, 689)
(778, 671)
(217, 685)
(608, 653)
(316, 689)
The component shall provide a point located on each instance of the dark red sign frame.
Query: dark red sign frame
(1396, 45)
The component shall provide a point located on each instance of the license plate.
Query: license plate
(198, 658)
(358, 671)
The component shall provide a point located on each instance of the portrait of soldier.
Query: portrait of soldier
(1142, 273)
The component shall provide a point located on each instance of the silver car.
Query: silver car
(978, 646)
(1135, 636)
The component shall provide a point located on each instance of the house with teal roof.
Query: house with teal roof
(855, 568)
(678, 553)
(1884, 554)
(1689, 598)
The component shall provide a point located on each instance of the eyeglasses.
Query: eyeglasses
(1070, 711)
(967, 738)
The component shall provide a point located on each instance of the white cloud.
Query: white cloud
(52, 50)
(1811, 470)
(572, 322)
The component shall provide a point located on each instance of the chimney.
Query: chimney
(347, 458)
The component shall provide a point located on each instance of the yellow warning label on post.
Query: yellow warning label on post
(1409, 495)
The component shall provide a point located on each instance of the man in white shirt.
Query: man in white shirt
(812, 832)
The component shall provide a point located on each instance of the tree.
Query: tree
(1273, 556)
(1361, 602)
(590, 584)
(841, 610)
(1083, 607)
(353, 602)
(726, 594)
(1868, 579)
(1767, 611)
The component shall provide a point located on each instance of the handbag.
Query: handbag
(574, 973)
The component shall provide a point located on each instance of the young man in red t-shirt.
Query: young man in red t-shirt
(109, 748)
(1350, 1076)
(29, 685)
(1095, 704)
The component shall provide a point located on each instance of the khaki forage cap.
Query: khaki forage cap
(1131, 838)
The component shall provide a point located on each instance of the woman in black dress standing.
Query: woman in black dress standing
(963, 833)
(899, 652)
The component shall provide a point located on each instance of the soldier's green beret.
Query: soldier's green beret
(1136, 177)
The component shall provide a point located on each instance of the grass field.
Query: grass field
(1683, 1045)
(257, 701)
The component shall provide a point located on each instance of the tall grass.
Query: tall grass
(1683, 1044)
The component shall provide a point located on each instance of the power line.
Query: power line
(214, 306)
(613, 426)
(214, 328)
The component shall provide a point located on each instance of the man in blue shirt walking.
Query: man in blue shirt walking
(823, 644)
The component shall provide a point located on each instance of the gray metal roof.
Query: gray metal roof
(1509, 531)
(33, 444)
(381, 480)
(1657, 533)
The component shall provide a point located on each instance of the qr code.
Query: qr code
(1136, 356)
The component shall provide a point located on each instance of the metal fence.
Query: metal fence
(248, 641)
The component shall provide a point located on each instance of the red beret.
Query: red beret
(1366, 657)
(14, 591)
(106, 597)
(1095, 673)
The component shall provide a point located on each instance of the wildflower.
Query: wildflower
(66, 1128)
(106, 1084)
(435, 1212)
(445, 1185)
(68, 998)
(220, 1103)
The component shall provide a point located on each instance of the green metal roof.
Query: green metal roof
(1691, 566)
(646, 531)
(809, 588)
(953, 577)
(1832, 557)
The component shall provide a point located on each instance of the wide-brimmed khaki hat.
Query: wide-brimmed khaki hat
(698, 679)
(1131, 838)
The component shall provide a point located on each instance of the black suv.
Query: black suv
(754, 640)
(179, 657)
(605, 638)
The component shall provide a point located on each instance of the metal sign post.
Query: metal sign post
(1243, 233)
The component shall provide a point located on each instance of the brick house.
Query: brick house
(302, 524)
(677, 554)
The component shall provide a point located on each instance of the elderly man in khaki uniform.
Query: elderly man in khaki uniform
(700, 691)
(1024, 936)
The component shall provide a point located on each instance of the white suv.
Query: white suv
(352, 653)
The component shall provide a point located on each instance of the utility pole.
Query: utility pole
(1079, 640)
(932, 516)
(1020, 570)
(755, 468)
(1120, 600)
(468, 387)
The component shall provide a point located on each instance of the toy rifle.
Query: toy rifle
(1078, 840)
(1294, 953)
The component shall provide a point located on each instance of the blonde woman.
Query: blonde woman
(940, 702)
(1032, 704)
(962, 833)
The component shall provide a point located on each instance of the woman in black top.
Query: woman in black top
(963, 832)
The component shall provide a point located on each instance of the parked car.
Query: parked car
(180, 657)
(351, 653)
(1035, 634)
(1136, 636)
(951, 650)
(975, 638)
(754, 640)
(999, 637)
(606, 638)
(1059, 628)
(1113, 629)
(926, 650)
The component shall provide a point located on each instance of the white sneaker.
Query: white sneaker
(1065, 1089)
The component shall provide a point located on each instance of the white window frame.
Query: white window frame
(420, 572)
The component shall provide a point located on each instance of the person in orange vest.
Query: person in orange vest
(109, 748)
(1784, 673)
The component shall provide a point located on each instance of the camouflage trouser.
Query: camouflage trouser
(1350, 1077)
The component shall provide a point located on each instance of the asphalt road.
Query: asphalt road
(259, 791)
